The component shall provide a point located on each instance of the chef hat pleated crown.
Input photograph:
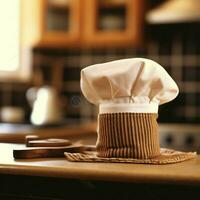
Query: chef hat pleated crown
(135, 81)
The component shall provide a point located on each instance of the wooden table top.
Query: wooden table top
(187, 172)
(10, 133)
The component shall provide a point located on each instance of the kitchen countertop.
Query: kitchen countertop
(187, 172)
(16, 133)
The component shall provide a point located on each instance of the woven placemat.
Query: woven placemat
(167, 156)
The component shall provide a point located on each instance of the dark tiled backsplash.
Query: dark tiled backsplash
(175, 47)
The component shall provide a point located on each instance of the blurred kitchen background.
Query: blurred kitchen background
(48, 42)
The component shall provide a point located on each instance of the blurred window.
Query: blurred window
(10, 55)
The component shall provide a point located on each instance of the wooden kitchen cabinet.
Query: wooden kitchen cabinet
(82, 23)
(50, 23)
(113, 23)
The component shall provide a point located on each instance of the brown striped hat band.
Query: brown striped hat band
(129, 137)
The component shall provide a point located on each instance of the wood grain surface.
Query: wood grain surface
(187, 172)
(15, 135)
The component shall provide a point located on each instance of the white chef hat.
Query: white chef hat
(128, 93)
(140, 82)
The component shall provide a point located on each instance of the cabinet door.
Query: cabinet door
(113, 23)
(60, 23)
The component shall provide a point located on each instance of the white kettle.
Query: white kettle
(45, 105)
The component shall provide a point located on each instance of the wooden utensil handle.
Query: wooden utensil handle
(35, 141)
(29, 138)
(49, 143)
